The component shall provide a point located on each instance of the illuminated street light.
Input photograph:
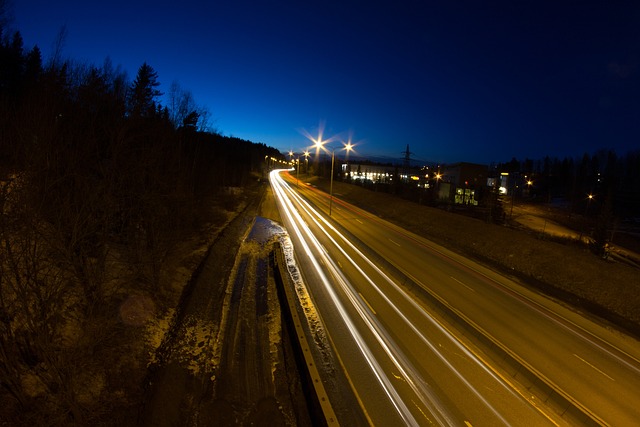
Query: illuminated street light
(348, 146)
(322, 145)
(295, 162)
(589, 199)
(306, 162)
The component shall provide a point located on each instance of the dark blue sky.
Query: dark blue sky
(456, 80)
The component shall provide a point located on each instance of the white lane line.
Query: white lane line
(463, 284)
(593, 367)
(368, 305)
(395, 243)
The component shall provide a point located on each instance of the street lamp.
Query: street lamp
(586, 220)
(296, 163)
(348, 146)
(321, 145)
(589, 199)
(437, 186)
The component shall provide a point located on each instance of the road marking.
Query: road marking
(395, 243)
(463, 284)
(422, 412)
(359, 221)
(368, 305)
(593, 367)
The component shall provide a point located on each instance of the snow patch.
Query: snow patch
(306, 302)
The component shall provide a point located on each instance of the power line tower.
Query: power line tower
(406, 167)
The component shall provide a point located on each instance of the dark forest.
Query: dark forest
(94, 172)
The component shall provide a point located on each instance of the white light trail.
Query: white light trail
(301, 229)
(408, 372)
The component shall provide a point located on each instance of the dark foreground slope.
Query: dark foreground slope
(243, 370)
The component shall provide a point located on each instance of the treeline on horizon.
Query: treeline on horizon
(94, 173)
(612, 180)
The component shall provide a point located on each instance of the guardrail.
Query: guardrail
(320, 407)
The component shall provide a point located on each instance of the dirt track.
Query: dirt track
(227, 359)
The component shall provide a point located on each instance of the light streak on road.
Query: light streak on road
(300, 228)
(621, 356)
(570, 353)
(409, 374)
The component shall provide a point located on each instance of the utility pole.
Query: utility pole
(407, 162)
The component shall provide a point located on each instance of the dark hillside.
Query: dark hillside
(105, 195)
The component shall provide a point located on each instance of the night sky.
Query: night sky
(456, 80)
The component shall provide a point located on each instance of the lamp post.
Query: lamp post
(589, 199)
(306, 162)
(348, 147)
(320, 145)
(584, 228)
(296, 162)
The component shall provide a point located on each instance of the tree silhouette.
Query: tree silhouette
(94, 198)
(143, 92)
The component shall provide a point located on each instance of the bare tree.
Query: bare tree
(58, 46)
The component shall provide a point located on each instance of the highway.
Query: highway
(374, 286)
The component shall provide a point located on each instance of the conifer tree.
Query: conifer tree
(143, 92)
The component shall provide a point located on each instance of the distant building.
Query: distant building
(462, 182)
(369, 172)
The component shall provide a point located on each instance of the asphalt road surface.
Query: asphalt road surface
(374, 284)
